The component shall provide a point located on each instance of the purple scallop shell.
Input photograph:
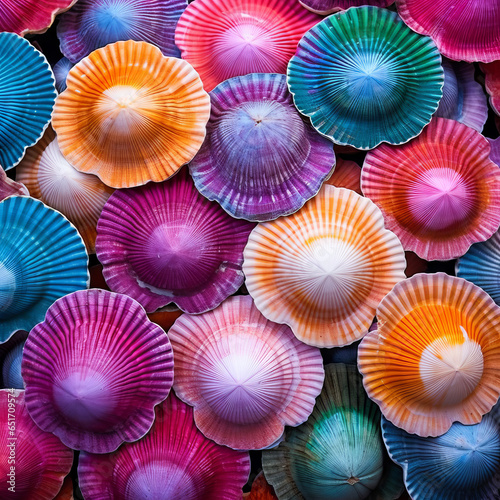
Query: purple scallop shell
(92, 24)
(326, 7)
(261, 159)
(94, 370)
(463, 98)
(61, 69)
(163, 243)
(495, 150)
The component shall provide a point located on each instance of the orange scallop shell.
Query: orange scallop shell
(324, 269)
(131, 115)
(435, 356)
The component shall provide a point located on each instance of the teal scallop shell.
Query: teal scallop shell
(338, 453)
(364, 77)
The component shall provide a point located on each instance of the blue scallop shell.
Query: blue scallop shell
(27, 96)
(364, 77)
(481, 266)
(11, 355)
(61, 70)
(42, 258)
(462, 464)
(92, 24)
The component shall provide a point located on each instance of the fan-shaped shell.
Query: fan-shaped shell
(324, 269)
(33, 463)
(439, 193)
(226, 38)
(95, 369)
(433, 359)
(463, 98)
(27, 96)
(467, 30)
(338, 452)
(174, 461)
(42, 258)
(363, 77)
(92, 24)
(30, 16)
(245, 376)
(131, 115)
(261, 159)
(462, 464)
(164, 243)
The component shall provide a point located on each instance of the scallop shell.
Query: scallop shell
(164, 243)
(245, 376)
(462, 464)
(95, 369)
(27, 96)
(226, 38)
(92, 24)
(173, 461)
(463, 98)
(42, 258)
(467, 30)
(261, 159)
(338, 452)
(30, 16)
(439, 193)
(481, 266)
(38, 459)
(434, 358)
(356, 88)
(131, 115)
(324, 270)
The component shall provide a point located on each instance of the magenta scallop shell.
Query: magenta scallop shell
(246, 376)
(95, 369)
(173, 462)
(38, 459)
(163, 243)
(467, 30)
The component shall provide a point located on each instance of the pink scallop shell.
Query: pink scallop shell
(40, 461)
(95, 369)
(246, 377)
(174, 461)
(8, 187)
(467, 30)
(30, 16)
(226, 38)
(439, 193)
(164, 243)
